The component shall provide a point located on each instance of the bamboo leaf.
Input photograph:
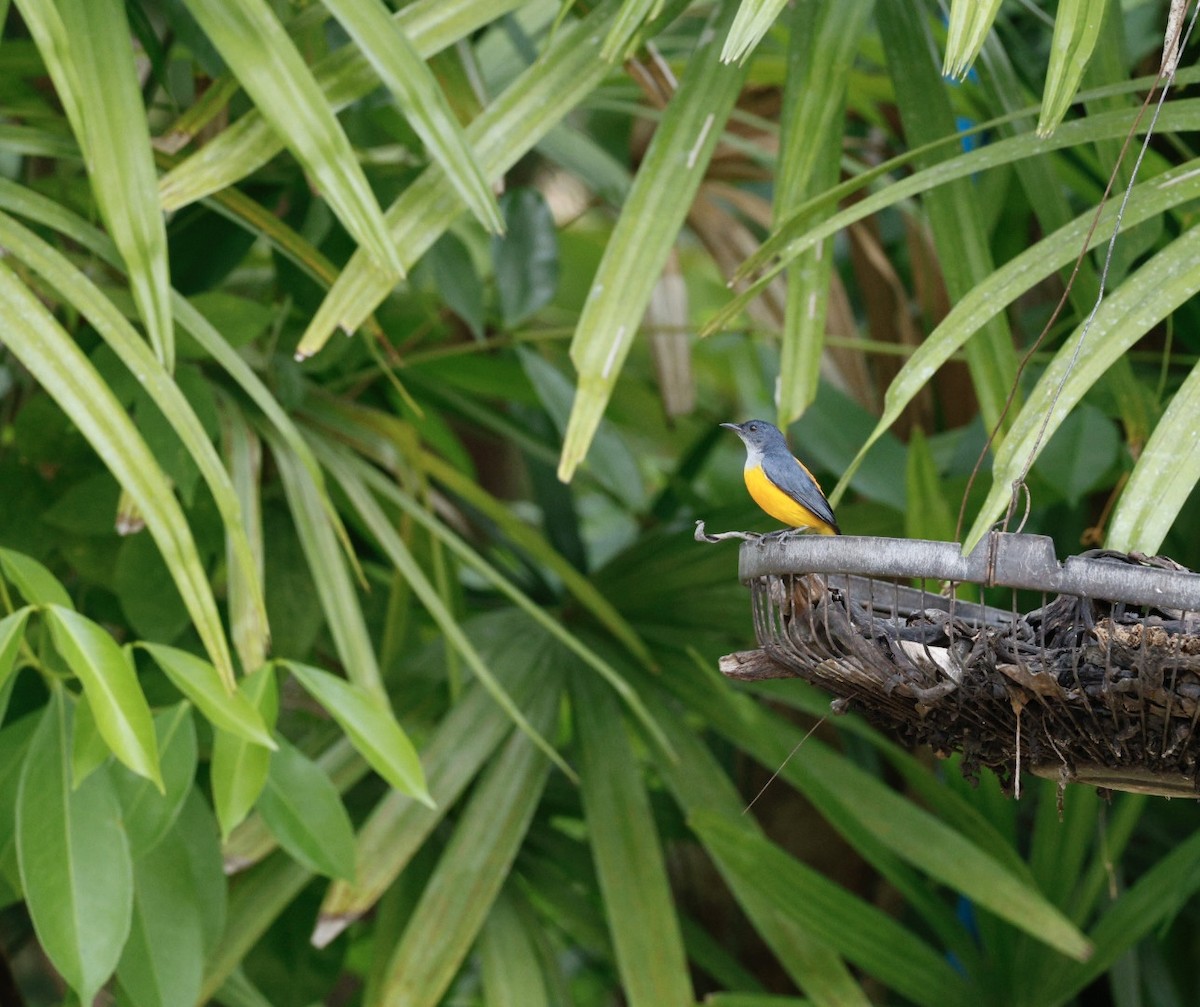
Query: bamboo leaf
(76, 289)
(474, 866)
(199, 682)
(370, 726)
(416, 91)
(1007, 283)
(629, 19)
(114, 695)
(12, 633)
(76, 869)
(510, 972)
(1144, 298)
(754, 19)
(970, 22)
(37, 585)
(633, 878)
(1163, 478)
(331, 577)
(264, 59)
(343, 76)
(85, 46)
(649, 224)
(40, 343)
(540, 98)
(1077, 26)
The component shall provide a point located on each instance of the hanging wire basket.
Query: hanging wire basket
(1086, 671)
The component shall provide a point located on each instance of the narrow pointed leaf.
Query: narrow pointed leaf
(76, 869)
(970, 21)
(627, 854)
(39, 342)
(12, 632)
(371, 727)
(271, 69)
(654, 212)
(86, 47)
(37, 585)
(753, 21)
(1077, 26)
(419, 97)
(114, 695)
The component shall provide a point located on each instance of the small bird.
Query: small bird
(779, 483)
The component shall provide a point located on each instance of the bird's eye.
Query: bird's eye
(754, 428)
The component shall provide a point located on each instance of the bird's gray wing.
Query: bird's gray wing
(791, 477)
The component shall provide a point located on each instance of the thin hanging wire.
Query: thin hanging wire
(1173, 47)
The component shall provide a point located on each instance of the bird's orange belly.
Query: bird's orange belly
(781, 506)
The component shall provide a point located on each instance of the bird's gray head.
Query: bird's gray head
(760, 438)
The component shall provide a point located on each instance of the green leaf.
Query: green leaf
(508, 962)
(1081, 453)
(301, 806)
(88, 749)
(370, 726)
(1163, 478)
(264, 59)
(163, 962)
(197, 830)
(927, 514)
(74, 858)
(149, 814)
(419, 97)
(970, 22)
(12, 633)
(753, 21)
(198, 681)
(525, 258)
(240, 766)
(40, 343)
(14, 743)
(629, 860)
(865, 935)
(116, 699)
(471, 871)
(38, 586)
(1077, 26)
(86, 48)
(654, 212)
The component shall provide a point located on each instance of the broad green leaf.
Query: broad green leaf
(464, 740)
(114, 695)
(198, 681)
(927, 514)
(344, 76)
(271, 69)
(1082, 452)
(148, 813)
(419, 97)
(240, 766)
(472, 869)
(239, 991)
(628, 857)
(566, 73)
(1076, 27)
(89, 751)
(371, 727)
(39, 342)
(38, 586)
(12, 633)
(197, 830)
(86, 48)
(163, 962)
(658, 202)
(864, 934)
(525, 257)
(75, 865)
(970, 21)
(1124, 317)
(1163, 478)
(301, 806)
(14, 743)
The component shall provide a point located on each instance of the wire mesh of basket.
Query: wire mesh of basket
(1086, 671)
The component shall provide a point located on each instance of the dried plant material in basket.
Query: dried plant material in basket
(1086, 671)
